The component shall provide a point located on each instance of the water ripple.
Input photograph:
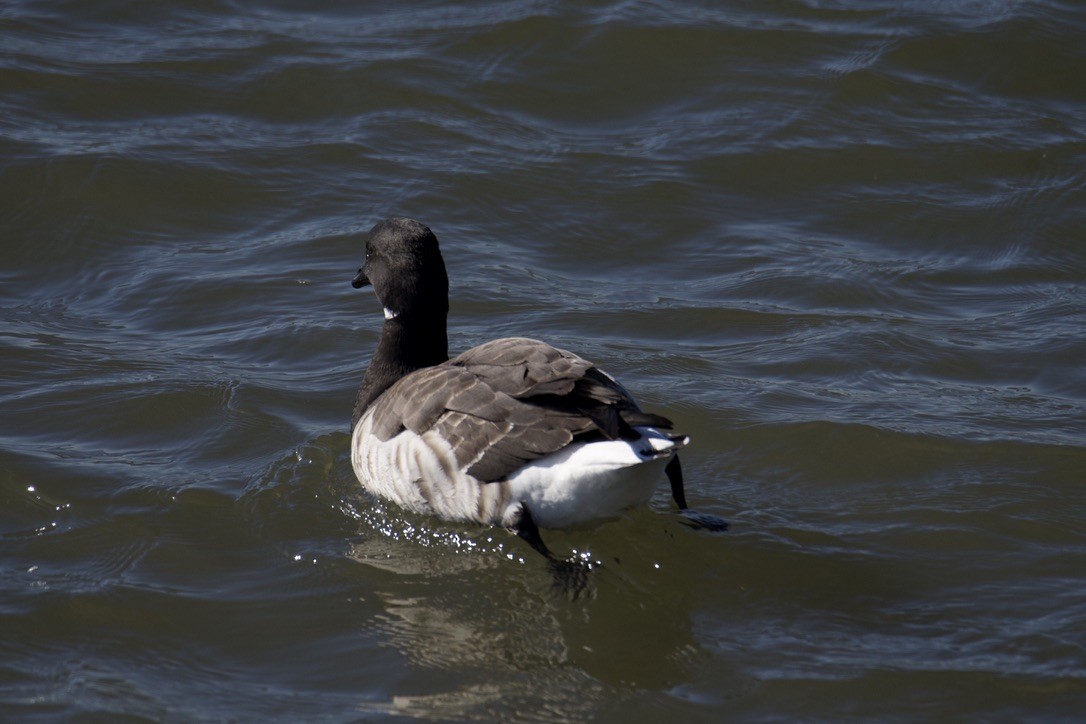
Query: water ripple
(838, 243)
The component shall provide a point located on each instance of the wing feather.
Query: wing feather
(507, 402)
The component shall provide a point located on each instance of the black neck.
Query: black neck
(406, 344)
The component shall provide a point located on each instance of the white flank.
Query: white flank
(578, 483)
(419, 472)
(591, 480)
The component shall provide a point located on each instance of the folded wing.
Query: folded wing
(508, 402)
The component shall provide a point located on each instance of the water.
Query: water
(842, 244)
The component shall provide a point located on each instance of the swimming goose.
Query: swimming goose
(513, 433)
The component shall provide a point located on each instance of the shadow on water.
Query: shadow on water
(472, 614)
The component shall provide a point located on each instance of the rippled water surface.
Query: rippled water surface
(842, 244)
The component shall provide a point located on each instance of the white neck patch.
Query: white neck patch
(389, 314)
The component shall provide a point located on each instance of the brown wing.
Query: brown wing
(508, 402)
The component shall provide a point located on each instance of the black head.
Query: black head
(404, 265)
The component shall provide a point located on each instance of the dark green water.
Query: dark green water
(842, 244)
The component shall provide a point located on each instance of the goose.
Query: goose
(512, 433)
